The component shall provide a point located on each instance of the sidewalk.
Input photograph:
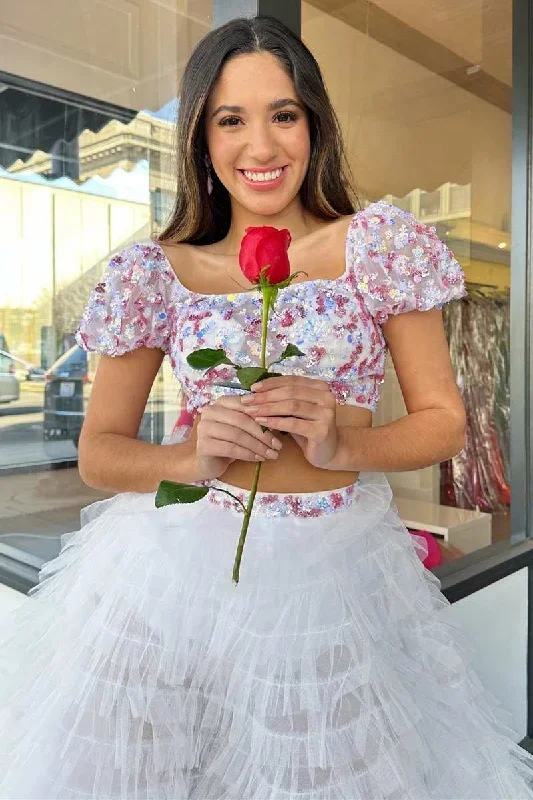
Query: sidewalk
(43, 495)
(36, 509)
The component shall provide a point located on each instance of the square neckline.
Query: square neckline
(236, 295)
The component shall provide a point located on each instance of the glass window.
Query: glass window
(423, 93)
(86, 137)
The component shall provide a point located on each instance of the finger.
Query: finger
(321, 396)
(288, 380)
(228, 401)
(231, 416)
(301, 441)
(239, 421)
(228, 450)
(286, 408)
(222, 432)
(301, 427)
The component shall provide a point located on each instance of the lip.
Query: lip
(264, 186)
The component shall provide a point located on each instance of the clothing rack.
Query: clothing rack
(481, 285)
(477, 329)
(488, 290)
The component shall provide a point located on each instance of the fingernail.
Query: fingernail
(247, 399)
(261, 419)
(277, 444)
(255, 386)
(272, 453)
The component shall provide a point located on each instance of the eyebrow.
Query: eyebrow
(274, 106)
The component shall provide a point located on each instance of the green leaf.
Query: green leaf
(249, 375)
(274, 375)
(207, 358)
(170, 493)
(290, 351)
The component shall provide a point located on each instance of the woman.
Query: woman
(333, 670)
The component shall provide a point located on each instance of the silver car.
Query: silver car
(9, 383)
(23, 369)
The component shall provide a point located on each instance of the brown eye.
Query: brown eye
(230, 121)
(286, 116)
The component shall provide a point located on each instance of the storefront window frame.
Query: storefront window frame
(479, 569)
(472, 572)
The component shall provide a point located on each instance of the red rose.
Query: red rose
(265, 247)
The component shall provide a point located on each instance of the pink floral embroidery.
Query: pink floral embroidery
(306, 506)
(394, 264)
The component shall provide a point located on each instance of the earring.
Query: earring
(209, 175)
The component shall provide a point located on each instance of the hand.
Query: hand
(225, 433)
(304, 407)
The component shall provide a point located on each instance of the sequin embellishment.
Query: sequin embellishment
(394, 264)
(303, 505)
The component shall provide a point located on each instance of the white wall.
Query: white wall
(495, 622)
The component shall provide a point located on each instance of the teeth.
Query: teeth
(262, 176)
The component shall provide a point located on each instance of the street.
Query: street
(21, 432)
(37, 506)
(35, 509)
(21, 426)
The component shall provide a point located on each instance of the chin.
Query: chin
(266, 206)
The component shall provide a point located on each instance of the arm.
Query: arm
(432, 431)
(434, 428)
(126, 321)
(112, 458)
(403, 273)
(110, 455)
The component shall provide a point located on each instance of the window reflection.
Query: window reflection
(424, 100)
(85, 169)
(76, 185)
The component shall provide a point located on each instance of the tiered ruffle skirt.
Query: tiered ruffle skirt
(333, 671)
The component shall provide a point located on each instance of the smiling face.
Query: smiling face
(258, 134)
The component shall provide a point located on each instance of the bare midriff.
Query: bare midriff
(291, 472)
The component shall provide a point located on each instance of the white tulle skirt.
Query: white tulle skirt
(334, 670)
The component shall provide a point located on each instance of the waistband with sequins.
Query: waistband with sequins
(297, 504)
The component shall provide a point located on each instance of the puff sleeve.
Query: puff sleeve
(127, 308)
(401, 264)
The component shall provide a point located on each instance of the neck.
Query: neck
(298, 221)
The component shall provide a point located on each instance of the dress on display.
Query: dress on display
(335, 669)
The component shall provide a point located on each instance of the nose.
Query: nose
(262, 146)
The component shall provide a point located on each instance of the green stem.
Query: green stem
(267, 298)
(245, 523)
(264, 325)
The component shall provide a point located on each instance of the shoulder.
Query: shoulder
(377, 225)
(140, 264)
(380, 216)
(400, 264)
(368, 228)
(127, 308)
(389, 234)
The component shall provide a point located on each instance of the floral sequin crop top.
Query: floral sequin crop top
(393, 264)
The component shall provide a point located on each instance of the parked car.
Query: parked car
(9, 383)
(64, 390)
(23, 369)
(67, 391)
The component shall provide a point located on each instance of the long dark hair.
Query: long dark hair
(327, 192)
